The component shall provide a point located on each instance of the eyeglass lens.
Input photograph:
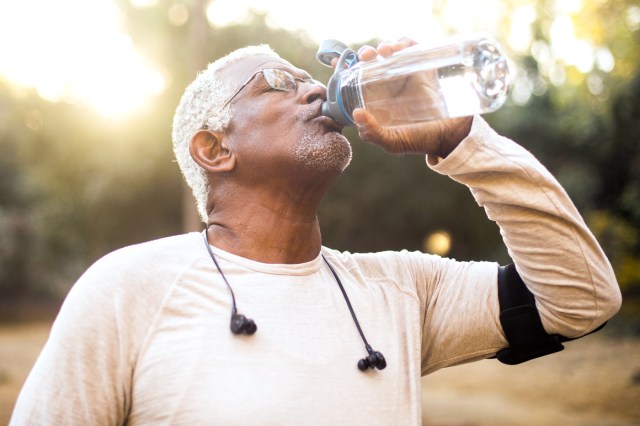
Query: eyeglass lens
(279, 79)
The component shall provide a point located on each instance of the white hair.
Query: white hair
(200, 108)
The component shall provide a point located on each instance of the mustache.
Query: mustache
(311, 111)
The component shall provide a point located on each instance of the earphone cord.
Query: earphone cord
(233, 297)
(344, 293)
(346, 299)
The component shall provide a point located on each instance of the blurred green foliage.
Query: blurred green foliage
(74, 185)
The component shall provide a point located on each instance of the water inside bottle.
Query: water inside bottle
(468, 82)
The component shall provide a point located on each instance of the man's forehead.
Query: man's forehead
(240, 71)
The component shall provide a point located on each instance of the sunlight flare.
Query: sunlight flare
(75, 51)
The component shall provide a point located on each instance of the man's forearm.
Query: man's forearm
(554, 251)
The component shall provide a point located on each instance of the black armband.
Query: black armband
(521, 321)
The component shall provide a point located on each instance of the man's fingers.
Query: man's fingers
(371, 132)
(363, 118)
(384, 49)
(368, 127)
(367, 53)
(405, 42)
(388, 48)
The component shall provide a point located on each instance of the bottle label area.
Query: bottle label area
(350, 95)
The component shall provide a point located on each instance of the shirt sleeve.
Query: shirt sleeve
(556, 255)
(83, 374)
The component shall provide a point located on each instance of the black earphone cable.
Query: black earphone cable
(205, 235)
(346, 299)
(242, 325)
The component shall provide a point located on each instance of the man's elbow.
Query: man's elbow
(605, 305)
(583, 312)
(609, 303)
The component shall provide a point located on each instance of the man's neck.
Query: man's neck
(265, 233)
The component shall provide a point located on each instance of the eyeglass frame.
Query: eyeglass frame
(294, 79)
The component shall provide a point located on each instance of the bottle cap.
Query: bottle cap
(328, 50)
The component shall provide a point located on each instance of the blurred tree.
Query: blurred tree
(75, 186)
(15, 235)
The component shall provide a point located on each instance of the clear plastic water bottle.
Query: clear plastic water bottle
(458, 76)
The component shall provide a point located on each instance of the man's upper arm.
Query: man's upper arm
(83, 375)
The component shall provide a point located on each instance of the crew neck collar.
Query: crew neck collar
(304, 268)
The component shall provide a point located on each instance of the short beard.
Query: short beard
(323, 153)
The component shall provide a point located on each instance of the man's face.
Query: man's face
(283, 129)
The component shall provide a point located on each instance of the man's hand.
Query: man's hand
(438, 137)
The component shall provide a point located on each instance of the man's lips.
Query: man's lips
(329, 123)
(314, 113)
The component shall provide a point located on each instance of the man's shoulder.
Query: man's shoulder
(176, 247)
(376, 256)
(382, 262)
(159, 260)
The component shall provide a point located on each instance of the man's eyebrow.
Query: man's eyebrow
(306, 75)
(295, 72)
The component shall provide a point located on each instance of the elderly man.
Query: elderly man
(317, 336)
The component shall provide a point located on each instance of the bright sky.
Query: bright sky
(76, 50)
(349, 21)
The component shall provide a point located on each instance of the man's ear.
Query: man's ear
(209, 150)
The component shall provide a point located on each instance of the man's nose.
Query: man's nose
(313, 91)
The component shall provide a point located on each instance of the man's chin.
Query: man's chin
(324, 153)
(349, 155)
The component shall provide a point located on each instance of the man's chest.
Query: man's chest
(299, 368)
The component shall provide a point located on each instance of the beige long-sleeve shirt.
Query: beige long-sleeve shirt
(143, 337)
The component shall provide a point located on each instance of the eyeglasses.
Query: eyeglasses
(278, 79)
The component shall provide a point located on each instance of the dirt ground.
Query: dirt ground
(594, 382)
